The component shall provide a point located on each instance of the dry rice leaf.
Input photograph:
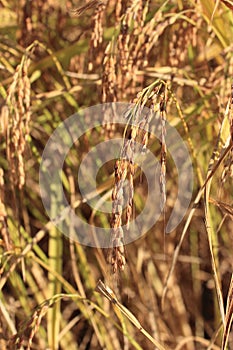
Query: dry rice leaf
(217, 157)
(228, 3)
(120, 310)
(91, 4)
(226, 208)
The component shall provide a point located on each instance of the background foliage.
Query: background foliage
(55, 60)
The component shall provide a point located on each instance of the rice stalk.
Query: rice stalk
(217, 159)
(33, 323)
(125, 169)
(222, 143)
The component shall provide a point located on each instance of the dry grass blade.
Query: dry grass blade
(121, 309)
(229, 315)
(214, 257)
(206, 343)
(90, 5)
(228, 3)
(226, 208)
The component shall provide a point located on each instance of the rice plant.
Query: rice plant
(160, 291)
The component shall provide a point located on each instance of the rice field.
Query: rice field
(147, 287)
